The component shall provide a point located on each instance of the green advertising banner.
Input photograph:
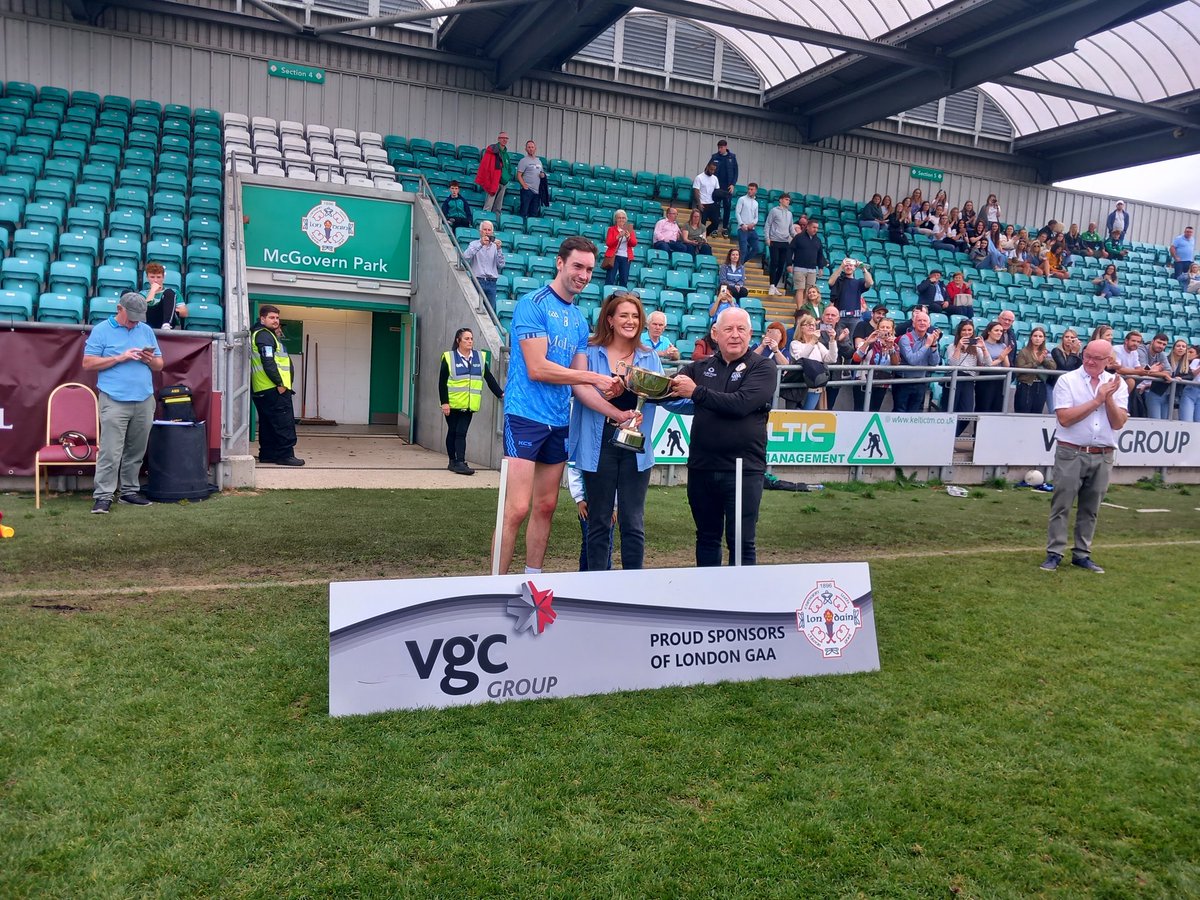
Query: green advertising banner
(327, 234)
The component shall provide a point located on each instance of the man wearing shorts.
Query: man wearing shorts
(549, 336)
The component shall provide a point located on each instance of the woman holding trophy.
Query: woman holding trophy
(615, 462)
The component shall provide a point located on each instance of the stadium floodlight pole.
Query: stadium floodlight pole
(500, 516)
(737, 512)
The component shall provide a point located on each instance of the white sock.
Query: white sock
(530, 570)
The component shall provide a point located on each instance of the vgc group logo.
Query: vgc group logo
(829, 618)
(327, 226)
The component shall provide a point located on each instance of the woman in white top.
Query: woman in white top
(808, 345)
(991, 210)
(1189, 392)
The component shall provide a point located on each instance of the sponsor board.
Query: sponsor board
(1029, 440)
(435, 642)
(818, 438)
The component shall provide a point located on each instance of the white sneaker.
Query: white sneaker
(773, 291)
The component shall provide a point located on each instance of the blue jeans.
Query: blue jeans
(672, 247)
(489, 290)
(1109, 290)
(1189, 404)
(618, 480)
(531, 204)
(748, 244)
(711, 497)
(619, 273)
(908, 398)
(1156, 405)
(812, 398)
(1030, 398)
(583, 544)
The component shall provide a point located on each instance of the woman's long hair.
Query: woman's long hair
(603, 336)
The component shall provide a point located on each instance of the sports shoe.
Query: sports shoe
(459, 467)
(1051, 563)
(773, 291)
(134, 500)
(1085, 562)
(101, 507)
(290, 461)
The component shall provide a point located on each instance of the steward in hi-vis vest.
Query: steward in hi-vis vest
(460, 390)
(271, 391)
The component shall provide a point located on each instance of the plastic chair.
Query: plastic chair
(72, 407)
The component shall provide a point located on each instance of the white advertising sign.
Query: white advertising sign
(435, 642)
(1029, 440)
(820, 438)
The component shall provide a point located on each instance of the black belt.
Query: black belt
(484, 278)
(1083, 449)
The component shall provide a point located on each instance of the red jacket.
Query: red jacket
(488, 176)
(610, 242)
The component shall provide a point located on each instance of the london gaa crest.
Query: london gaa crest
(829, 618)
(327, 226)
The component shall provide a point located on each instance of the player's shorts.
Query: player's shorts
(536, 441)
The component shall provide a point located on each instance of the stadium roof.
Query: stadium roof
(1089, 85)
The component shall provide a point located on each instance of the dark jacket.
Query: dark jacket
(447, 209)
(926, 292)
(731, 404)
(808, 252)
(727, 168)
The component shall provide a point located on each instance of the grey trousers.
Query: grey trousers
(495, 202)
(124, 433)
(1082, 475)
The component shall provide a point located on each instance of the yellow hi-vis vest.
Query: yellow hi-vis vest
(259, 381)
(464, 387)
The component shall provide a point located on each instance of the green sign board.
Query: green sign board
(926, 174)
(277, 69)
(327, 233)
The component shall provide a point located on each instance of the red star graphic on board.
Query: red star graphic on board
(533, 609)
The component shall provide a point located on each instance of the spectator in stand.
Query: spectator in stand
(977, 244)
(1008, 240)
(495, 172)
(918, 347)
(886, 205)
(807, 257)
(1128, 360)
(962, 300)
(1107, 285)
(1104, 332)
(773, 343)
(834, 333)
(989, 395)
(992, 214)
(1037, 258)
(695, 235)
(898, 223)
(1119, 221)
(1157, 366)
(1068, 355)
(1074, 243)
(747, 219)
(163, 309)
(1114, 247)
(1093, 244)
(727, 176)
(1007, 320)
(530, 175)
(809, 302)
(945, 235)
(733, 274)
(924, 219)
(807, 345)
(969, 215)
(1055, 266)
(941, 199)
(966, 352)
(872, 215)
(1183, 251)
(1020, 260)
(1178, 369)
(867, 327)
(486, 258)
(655, 338)
(847, 291)
(1031, 389)
(1189, 394)
(723, 301)
(704, 187)
(916, 198)
(618, 249)
(878, 349)
(779, 238)
(456, 209)
(667, 234)
(1048, 231)
(1191, 279)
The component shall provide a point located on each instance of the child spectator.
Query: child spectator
(456, 209)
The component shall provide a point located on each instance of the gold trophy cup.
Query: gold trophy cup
(647, 385)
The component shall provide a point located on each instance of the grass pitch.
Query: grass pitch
(1029, 734)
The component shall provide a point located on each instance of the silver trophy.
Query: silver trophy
(647, 385)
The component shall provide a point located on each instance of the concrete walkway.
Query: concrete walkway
(366, 461)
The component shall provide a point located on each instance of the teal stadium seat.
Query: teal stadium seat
(66, 309)
(16, 306)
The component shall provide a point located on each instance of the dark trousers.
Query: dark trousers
(583, 544)
(908, 397)
(723, 202)
(1030, 398)
(616, 479)
(964, 402)
(779, 257)
(989, 396)
(276, 425)
(711, 216)
(458, 222)
(878, 393)
(457, 424)
(531, 204)
(619, 273)
(711, 497)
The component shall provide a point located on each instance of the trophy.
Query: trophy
(647, 385)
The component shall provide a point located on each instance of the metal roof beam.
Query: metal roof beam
(1132, 150)
(1107, 101)
(733, 18)
(421, 15)
(277, 15)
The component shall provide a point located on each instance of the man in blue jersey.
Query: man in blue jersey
(549, 339)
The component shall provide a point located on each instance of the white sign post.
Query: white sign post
(435, 642)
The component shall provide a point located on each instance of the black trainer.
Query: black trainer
(101, 507)
(290, 461)
(1085, 562)
(134, 500)
(1051, 563)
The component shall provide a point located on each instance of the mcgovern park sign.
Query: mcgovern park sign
(320, 232)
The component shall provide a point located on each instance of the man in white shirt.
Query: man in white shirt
(702, 193)
(747, 222)
(1090, 405)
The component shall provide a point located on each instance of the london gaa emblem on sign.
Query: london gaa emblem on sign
(829, 618)
(327, 226)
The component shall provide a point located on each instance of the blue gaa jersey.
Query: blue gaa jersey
(543, 314)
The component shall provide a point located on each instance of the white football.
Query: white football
(1035, 478)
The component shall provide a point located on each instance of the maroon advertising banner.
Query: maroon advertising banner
(34, 361)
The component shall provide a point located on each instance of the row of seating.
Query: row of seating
(72, 309)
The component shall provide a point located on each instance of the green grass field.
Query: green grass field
(164, 727)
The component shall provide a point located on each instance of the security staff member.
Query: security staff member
(731, 392)
(271, 388)
(460, 389)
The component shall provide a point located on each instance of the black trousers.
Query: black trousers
(457, 424)
(276, 425)
(779, 258)
(711, 497)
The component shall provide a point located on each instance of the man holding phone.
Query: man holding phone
(124, 353)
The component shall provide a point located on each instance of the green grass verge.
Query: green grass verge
(1028, 734)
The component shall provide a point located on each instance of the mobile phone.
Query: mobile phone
(147, 349)
(973, 341)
